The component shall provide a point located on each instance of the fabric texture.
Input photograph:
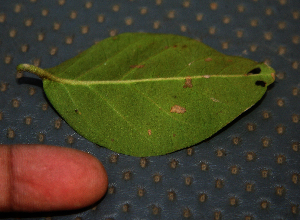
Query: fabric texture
(249, 170)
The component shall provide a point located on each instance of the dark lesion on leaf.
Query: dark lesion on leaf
(254, 71)
(257, 71)
(77, 111)
(177, 109)
(188, 82)
(260, 83)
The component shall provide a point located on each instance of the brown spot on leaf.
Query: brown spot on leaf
(191, 63)
(175, 46)
(77, 111)
(178, 109)
(188, 82)
(273, 75)
(137, 66)
(149, 132)
(208, 59)
(214, 100)
(184, 46)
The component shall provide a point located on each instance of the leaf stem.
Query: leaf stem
(267, 76)
(37, 71)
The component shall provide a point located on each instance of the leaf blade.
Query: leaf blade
(123, 98)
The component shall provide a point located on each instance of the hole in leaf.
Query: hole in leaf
(260, 83)
(254, 71)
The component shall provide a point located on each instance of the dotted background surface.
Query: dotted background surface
(249, 170)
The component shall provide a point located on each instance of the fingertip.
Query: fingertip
(51, 178)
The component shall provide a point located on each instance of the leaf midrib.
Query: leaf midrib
(105, 82)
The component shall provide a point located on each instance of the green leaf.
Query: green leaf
(151, 94)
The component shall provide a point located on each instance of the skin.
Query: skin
(35, 178)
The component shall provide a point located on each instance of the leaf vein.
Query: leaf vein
(192, 62)
(150, 57)
(107, 59)
(118, 113)
(157, 105)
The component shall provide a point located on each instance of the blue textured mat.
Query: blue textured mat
(249, 170)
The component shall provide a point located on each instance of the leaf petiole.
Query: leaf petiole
(37, 71)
